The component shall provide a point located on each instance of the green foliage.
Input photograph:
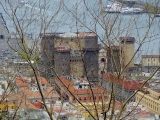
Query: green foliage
(20, 52)
(25, 55)
(151, 5)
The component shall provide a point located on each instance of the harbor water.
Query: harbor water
(126, 25)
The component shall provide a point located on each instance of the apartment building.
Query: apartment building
(150, 60)
(150, 99)
(71, 87)
(4, 36)
(125, 87)
(28, 87)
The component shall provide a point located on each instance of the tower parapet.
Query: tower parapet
(127, 40)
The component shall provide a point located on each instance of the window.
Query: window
(12, 107)
(80, 98)
(84, 98)
(1, 36)
(103, 60)
(80, 86)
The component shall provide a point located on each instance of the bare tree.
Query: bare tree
(41, 44)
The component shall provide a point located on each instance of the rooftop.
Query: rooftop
(150, 56)
(127, 39)
(20, 101)
(63, 81)
(127, 84)
(71, 34)
(48, 93)
(25, 81)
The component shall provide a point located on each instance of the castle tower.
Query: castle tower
(76, 63)
(127, 51)
(72, 53)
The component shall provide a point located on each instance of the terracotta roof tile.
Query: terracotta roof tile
(21, 83)
(49, 92)
(20, 101)
(44, 81)
(38, 105)
(69, 84)
(24, 82)
(127, 84)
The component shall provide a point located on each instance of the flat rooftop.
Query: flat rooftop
(70, 34)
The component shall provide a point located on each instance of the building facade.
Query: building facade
(150, 99)
(125, 88)
(28, 87)
(127, 51)
(150, 62)
(71, 54)
(116, 57)
(102, 61)
(113, 61)
(4, 36)
(72, 89)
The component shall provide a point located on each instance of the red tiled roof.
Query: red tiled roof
(69, 84)
(143, 113)
(49, 92)
(21, 83)
(20, 101)
(127, 84)
(43, 81)
(130, 85)
(25, 82)
(38, 105)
